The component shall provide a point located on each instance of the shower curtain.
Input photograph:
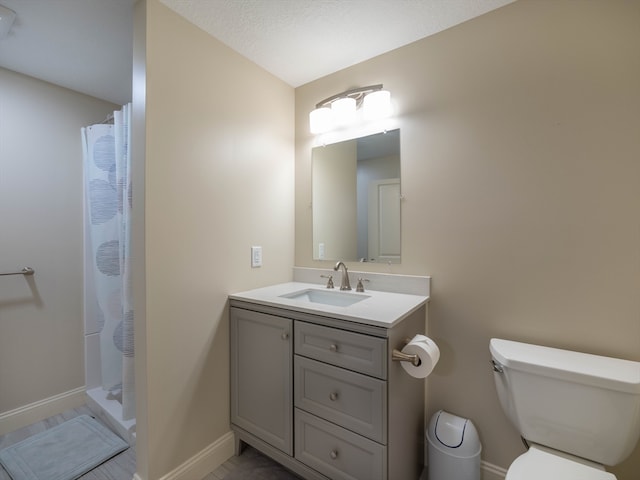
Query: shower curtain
(107, 166)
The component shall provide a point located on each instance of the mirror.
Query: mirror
(356, 199)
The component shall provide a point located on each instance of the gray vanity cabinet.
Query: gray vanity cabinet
(261, 368)
(322, 396)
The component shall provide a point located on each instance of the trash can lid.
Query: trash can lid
(456, 433)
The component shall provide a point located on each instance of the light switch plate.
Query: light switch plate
(256, 257)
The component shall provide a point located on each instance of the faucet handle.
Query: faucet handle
(360, 286)
(330, 281)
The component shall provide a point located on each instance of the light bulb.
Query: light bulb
(377, 105)
(344, 111)
(321, 120)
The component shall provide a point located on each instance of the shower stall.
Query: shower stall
(108, 303)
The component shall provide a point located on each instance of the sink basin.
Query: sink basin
(326, 297)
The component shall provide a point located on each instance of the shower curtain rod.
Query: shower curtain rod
(108, 119)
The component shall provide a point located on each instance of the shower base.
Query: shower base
(110, 411)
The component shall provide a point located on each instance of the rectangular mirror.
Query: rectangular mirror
(356, 199)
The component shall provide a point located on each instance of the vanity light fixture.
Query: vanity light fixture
(340, 110)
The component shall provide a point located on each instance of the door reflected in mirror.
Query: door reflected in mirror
(356, 199)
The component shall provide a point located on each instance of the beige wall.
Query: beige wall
(41, 327)
(219, 178)
(521, 172)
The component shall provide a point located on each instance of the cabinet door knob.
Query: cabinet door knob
(333, 396)
(285, 335)
(333, 347)
(333, 454)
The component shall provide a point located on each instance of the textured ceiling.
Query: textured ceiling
(85, 45)
(302, 40)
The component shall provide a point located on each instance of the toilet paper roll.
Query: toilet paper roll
(428, 353)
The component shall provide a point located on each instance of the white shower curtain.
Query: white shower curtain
(107, 167)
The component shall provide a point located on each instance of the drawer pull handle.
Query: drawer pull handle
(333, 396)
(333, 454)
(333, 347)
(284, 336)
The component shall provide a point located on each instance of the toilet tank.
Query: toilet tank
(582, 404)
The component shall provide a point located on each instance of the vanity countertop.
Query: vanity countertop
(379, 309)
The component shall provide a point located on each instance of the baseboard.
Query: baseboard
(492, 472)
(488, 471)
(207, 460)
(204, 462)
(36, 411)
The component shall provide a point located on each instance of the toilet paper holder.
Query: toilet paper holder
(398, 356)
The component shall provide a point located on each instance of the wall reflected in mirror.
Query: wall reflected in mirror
(356, 199)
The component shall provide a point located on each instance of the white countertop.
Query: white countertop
(380, 309)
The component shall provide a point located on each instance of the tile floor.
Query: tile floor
(120, 467)
(251, 465)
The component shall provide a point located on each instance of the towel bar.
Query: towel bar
(24, 271)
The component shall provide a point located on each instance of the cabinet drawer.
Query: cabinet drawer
(355, 351)
(335, 452)
(354, 401)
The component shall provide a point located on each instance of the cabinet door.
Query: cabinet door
(261, 372)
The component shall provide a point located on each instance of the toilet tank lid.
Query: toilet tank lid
(606, 372)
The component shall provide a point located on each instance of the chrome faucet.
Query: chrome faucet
(344, 284)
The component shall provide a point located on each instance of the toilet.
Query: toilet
(577, 411)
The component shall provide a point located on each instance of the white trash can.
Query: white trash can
(454, 448)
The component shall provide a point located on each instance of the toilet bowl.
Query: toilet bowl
(578, 411)
(543, 463)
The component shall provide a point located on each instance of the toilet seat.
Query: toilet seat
(541, 462)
